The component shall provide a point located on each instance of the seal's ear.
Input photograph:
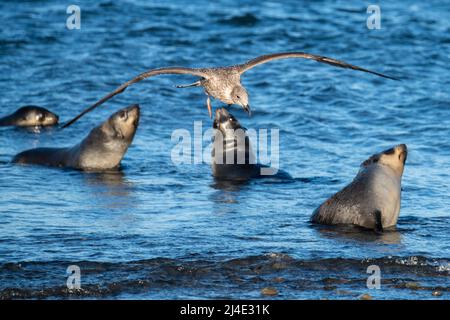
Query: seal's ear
(117, 130)
(107, 129)
(119, 134)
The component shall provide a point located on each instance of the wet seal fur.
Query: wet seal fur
(232, 155)
(372, 199)
(102, 149)
(232, 143)
(30, 116)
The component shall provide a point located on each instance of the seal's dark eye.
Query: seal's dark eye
(375, 160)
(238, 97)
(123, 115)
(231, 119)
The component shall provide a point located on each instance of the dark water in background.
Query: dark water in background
(156, 230)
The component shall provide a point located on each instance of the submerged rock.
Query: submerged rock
(278, 279)
(365, 296)
(413, 285)
(269, 291)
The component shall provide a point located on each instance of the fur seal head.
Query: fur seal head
(122, 125)
(230, 137)
(393, 158)
(224, 121)
(31, 116)
(106, 145)
(232, 155)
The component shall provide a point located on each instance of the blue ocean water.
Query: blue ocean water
(155, 230)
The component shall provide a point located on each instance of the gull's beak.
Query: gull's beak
(247, 109)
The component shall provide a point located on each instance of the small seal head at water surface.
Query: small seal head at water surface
(102, 149)
(372, 199)
(30, 116)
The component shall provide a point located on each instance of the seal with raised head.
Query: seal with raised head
(372, 199)
(102, 149)
(232, 154)
(30, 116)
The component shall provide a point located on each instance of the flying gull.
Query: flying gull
(223, 83)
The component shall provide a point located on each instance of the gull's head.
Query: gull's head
(240, 96)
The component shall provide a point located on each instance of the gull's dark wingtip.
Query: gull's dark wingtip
(70, 122)
(66, 125)
(383, 75)
(390, 77)
(377, 74)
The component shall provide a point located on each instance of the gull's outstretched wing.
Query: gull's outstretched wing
(142, 76)
(266, 58)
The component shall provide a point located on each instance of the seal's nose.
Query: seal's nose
(402, 147)
(56, 117)
(134, 111)
(221, 113)
(133, 107)
(403, 152)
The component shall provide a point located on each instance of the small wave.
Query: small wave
(247, 20)
(13, 42)
(151, 30)
(352, 10)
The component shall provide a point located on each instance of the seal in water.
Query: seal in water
(224, 83)
(102, 149)
(30, 116)
(372, 200)
(232, 154)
